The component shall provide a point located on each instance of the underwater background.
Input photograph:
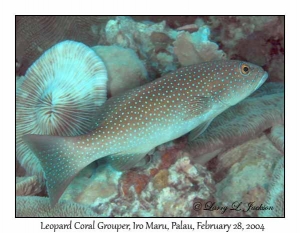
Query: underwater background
(239, 157)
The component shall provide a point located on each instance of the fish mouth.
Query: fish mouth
(262, 80)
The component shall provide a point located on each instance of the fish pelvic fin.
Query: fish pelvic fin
(199, 130)
(123, 162)
(60, 159)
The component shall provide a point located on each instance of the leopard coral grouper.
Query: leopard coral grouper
(133, 123)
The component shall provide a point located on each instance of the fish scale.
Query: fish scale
(133, 123)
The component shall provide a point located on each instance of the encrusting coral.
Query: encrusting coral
(195, 48)
(92, 184)
(60, 95)
(151, 41)
(257, 39)
(162, 48)
(182, 181)
(121, 76)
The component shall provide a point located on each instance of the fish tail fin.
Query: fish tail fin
(61, 159)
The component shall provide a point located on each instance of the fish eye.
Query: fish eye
(245, 69)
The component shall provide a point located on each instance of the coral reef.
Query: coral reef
(243, 172)
(167, 173)
(183, 182)
(252, 38)
(174, 21)
(143, 192)
(40, 207)
(172, 175)
(160, 47)
(239, 156)
(94, 182)
(195, 48)
(258, 39)
(121, 76)
(60, 95)
(135, 180)
(147, 39)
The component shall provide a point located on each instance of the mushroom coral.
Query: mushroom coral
(60, 95)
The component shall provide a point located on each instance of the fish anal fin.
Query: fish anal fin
(199, 129)
(123, 162)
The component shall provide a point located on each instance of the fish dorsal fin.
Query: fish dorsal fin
(197, 105)
(199, 129)
(123, 162)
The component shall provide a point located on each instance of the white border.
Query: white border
(7, 56)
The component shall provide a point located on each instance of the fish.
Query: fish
(135, 122)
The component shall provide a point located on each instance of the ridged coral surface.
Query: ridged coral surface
(59, 95)
(40, 207)
(36, 34)
(275, 196)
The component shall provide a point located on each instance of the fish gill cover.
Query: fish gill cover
(180, 109)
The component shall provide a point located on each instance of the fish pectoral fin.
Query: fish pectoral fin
(199, 130)
(122, 162)
(143, 163)
(197, 105)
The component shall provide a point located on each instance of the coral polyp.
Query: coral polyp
(60, 95)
